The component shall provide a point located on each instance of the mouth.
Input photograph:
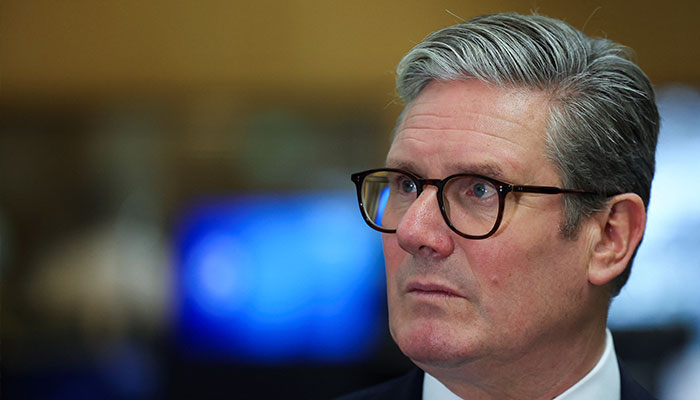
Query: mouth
(431, 290)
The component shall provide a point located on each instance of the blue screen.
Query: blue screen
(279, 278)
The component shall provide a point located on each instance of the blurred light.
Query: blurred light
(281, 278)
(662, 289)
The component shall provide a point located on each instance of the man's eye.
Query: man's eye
(482, 190)
(407, 185)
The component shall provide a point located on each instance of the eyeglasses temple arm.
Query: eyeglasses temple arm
(554, 190)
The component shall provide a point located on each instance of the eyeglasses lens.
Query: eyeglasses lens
(471, 202)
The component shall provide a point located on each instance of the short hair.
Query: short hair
(603, 119)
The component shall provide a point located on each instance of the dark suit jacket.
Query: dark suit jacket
(410, 387)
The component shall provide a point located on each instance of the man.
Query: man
(512, 203)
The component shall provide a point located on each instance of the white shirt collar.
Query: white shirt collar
(433, 389)
(602, 382)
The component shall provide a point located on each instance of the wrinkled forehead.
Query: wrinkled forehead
(473, 104)
(519, 105)
(462, 121)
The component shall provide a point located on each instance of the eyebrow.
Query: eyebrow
(490, 170)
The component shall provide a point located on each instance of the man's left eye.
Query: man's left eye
(482, 190)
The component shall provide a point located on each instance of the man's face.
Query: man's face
(453, 300)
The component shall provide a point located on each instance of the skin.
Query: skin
(522, 313)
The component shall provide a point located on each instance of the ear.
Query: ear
(621, 231)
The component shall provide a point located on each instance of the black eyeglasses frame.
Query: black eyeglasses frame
(503, 189)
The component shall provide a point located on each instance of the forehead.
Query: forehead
(461, 125)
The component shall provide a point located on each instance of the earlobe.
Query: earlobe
(621, 231)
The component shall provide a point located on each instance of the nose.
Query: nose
(423, 231)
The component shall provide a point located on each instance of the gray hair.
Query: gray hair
(604, 123)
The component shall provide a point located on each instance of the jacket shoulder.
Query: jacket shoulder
(630, 389)
(406, 387)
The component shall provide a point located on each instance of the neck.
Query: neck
(544, 371)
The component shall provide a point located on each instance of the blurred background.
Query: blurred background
(177, 217)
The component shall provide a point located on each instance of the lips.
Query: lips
(431, 289)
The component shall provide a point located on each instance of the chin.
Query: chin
(432, 343)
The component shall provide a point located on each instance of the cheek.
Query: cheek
(393, 257)
(513, 272)
(526, 280)
(494, 263)
(393, 253)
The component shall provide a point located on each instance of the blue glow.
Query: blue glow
(383, 199)
(279, 278)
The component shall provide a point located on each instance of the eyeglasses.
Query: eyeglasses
(472, 205)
